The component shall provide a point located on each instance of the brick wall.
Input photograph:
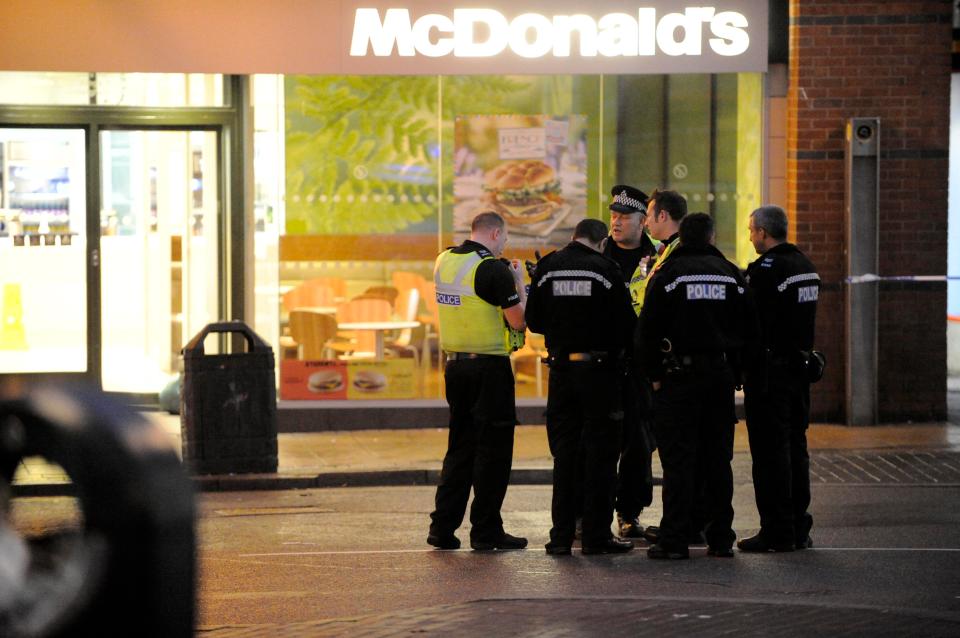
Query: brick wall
(889, 60)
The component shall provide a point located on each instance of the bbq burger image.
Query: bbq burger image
(522, 191)
(325, 381)
(369, 381)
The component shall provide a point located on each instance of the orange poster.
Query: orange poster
(362, 379)
(313, 380)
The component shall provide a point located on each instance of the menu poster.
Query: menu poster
(359, 379)
(531, 169)
(313, 380)
(386, 379)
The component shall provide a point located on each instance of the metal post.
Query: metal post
(861, 235)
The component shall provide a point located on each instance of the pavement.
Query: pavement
(277, 559)
(414, 456)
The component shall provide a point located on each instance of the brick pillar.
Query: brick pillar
(889, 60)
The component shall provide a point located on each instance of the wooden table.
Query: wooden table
(379, 327)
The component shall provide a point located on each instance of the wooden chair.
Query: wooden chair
(312, 331)
(339, 285)
(534, 350)
(310, 293)
(404, 340)
(430, 319)
(389, 293)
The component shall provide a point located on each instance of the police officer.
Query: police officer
(633, 251)
(693, 325)
(665, 210)
(777, 390)
(478, 296)
(580, 305)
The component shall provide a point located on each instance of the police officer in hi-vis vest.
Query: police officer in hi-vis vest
(665, 210)
(580, 305)
(634, 251)
(776, 400)
(695, 322)
(481, 304)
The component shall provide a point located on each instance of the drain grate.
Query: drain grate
(899, 467)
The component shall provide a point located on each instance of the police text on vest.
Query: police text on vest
(571, 288)
(448, 300)
(807, 293)
(710, 292)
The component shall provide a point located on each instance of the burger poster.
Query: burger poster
(531, 169)
(361, 379)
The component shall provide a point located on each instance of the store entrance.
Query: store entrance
(43, 248)
(159, 251)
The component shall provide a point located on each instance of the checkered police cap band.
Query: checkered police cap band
(625, 200)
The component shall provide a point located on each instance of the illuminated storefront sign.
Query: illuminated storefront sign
(628, 38)
(533, 35)
(401, 37)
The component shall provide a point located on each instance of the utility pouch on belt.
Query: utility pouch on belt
(517, 338)
(816, 362)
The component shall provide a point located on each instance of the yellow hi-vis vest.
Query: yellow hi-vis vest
(638, 282)
(467, 322)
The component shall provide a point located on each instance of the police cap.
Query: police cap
(628, 200)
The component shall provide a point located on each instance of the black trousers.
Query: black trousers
(583, 422)
(635, 471)
(777, 407)
(483, 414)
(694, 419)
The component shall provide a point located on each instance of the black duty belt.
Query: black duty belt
(788, 358)
(702, 358)
(462, 356)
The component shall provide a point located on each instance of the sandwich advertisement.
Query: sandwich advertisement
(361, 379)
(531, 169)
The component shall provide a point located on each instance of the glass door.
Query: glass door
(159, 193)
(43, 244)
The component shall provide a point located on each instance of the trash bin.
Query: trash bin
(228, 405)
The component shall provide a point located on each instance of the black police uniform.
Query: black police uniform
(483, 415)
(786, 287)
(634, 473)
(579, 303)
(697, 309)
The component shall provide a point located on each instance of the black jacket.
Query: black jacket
(785, 288)
(628, 260)
(698, 301)
(578, 302)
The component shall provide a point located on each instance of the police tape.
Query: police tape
(870, 278)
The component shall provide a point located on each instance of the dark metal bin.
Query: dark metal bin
(228, 406)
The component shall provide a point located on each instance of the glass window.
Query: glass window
(159, 89)
(398, 166)
(159, 252)
(44, 88)
(268, 203)
(112, 89)
(43, 251)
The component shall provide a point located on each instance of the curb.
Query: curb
(267, 482)
(379, 478)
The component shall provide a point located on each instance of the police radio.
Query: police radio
(516, 338)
